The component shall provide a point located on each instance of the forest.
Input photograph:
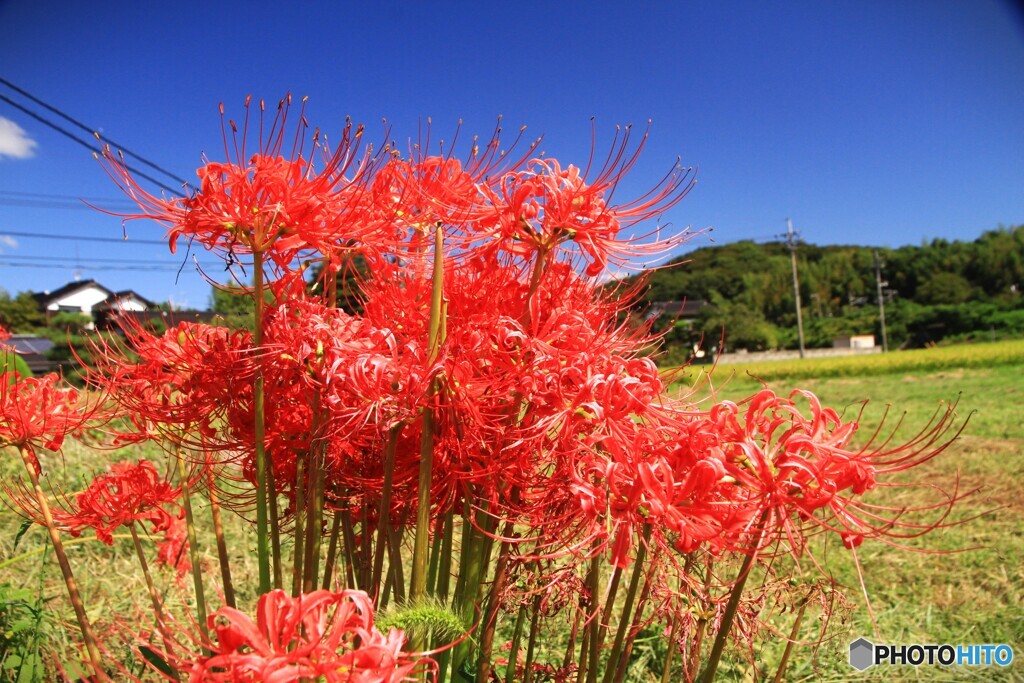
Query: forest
(939, 292)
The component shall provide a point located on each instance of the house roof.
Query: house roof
(26, 344)
(46, 297)
(123, 294)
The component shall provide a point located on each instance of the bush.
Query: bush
(10, 361)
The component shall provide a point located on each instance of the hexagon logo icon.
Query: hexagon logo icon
(862, 654)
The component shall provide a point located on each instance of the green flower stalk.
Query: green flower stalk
(421, 545)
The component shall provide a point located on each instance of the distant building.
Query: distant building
(675, 310)
(857, 341)
(108, 319)
(88, 297)
(33, 350)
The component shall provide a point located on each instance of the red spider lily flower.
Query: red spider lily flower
(320, 635)
(172, 550)
(417, 195)
(38, 412)
(264, 202)
(802, 466)
(541, 210)
(4, 334)
(128, 493)
(175, 386)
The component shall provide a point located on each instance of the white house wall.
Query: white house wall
(83, 299)
(129, 304)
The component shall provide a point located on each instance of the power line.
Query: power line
(88, 259)
(45, 204)
(57, 266)
(68, 197)
(80, 238)
(92, 131)
(83, 143)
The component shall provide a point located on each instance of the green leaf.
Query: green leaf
(156, 660)
(25, 526)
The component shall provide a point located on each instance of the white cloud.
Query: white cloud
(15, 142)
(8, 241)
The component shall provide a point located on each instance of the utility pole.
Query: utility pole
(791, 238)
(881, 300)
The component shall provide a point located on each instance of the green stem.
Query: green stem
(734, 601)
(667, 667)
(435, 556)
(483, 668)
(538, 271)
(595, 629)
(314, 520)
(275, 526)
(634, 629)
(444, 577)
(154, 596)
(298, 551)
(779, 675)
(474, 563)
(513, 654)
(570, 650)
(348, 537)
(531, 647)
(625, 620)
(395, 558)
(609, 603)
(332, 551)
(384, 519)
(581, 668)
(193, 546)
(421, 544)
(259, 433)
(222, 544)
(706, 611)
(91, 646)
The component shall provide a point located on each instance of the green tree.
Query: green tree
(945, 288)
(234, 305)
(744, 327)
(348, 282)
(21, 313)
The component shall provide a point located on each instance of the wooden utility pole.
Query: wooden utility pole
(881, 300)
(791, 238)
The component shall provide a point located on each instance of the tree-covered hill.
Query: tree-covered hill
(935, 291)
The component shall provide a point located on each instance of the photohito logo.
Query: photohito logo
(864, 654)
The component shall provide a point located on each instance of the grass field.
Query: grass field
(966, 585)
(975, 595)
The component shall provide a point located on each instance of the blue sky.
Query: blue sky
(875, 123)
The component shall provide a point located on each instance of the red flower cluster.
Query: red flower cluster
(484, 342)
(172, 550)
(321, 635)
(545, 406)
(39, 412)
(128, 493)
(264, 202)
